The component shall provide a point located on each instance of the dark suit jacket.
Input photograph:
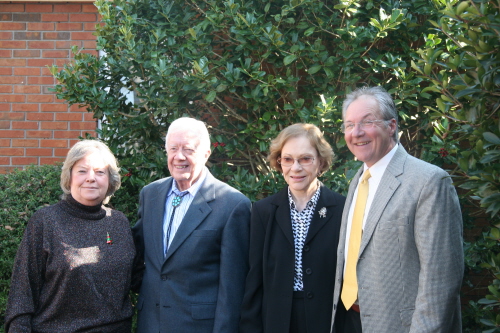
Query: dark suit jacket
(267, 303)
(199, 286)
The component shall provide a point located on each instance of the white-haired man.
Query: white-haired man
(192, 236)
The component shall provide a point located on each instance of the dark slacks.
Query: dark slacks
(347, 321)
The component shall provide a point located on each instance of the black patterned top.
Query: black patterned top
(72, 271)
(300, 226)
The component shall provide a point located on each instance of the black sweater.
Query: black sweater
(67, 277)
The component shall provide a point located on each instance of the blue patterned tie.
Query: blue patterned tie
(175, 203)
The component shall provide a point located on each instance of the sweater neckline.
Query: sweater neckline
(77, 209)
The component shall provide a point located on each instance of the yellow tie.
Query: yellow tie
(350, 286)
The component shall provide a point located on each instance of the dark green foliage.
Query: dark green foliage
(460, 66)
(249, 68)
(22, 192)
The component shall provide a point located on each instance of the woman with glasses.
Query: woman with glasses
(293, 241)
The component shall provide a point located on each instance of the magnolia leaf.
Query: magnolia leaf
(382, 14)
(314, 69)
(309, 31)
(462, 7)
(197, 67)
(427, 69)
(466, 92)
(192, 32)
(289, 59)
(440, 104)
(415, 67)
(266, 116)
(294, 48)
(375, 23)
(491, 199)
(221, 87)
(328, 71)
(486, 301)
(491, 156)
(491, 137)
(211, 96)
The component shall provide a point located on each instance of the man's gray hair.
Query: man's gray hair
(386, 106)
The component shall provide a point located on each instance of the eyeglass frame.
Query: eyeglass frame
(362, 124)
(298, 161)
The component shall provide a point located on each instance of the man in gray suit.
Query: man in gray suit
(192, 237)
(406, 266)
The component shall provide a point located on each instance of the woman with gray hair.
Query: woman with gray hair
(73, 267)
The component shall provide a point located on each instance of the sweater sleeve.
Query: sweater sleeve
(27, 278)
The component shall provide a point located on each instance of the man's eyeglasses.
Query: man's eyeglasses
(365, 124)
(288, 161)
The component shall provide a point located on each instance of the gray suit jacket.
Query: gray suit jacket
(411, 261)
(199, 286)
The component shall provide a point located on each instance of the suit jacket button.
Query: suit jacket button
(309, 271)
(310, 295)
(306, 248)
(164, 277)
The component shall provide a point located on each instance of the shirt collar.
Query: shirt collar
(377, 170)
(194, 188)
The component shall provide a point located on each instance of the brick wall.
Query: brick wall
(35, 126)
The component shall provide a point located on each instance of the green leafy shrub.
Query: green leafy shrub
(22, 192)
(460, 68)
(248, 68)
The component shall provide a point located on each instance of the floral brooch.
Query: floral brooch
(322, 212)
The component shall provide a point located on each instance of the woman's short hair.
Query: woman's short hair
(79, 151)
(316, 138)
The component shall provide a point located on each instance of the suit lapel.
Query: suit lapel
(283, 219)
(159, 200)
(195, 215)
(327, 201)
(345, 213)
(388, 185)
(282, 215)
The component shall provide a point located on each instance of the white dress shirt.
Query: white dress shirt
(376, 171)
(181, 210)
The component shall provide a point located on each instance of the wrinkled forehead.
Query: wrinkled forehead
(183, 138)
(361, 108)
